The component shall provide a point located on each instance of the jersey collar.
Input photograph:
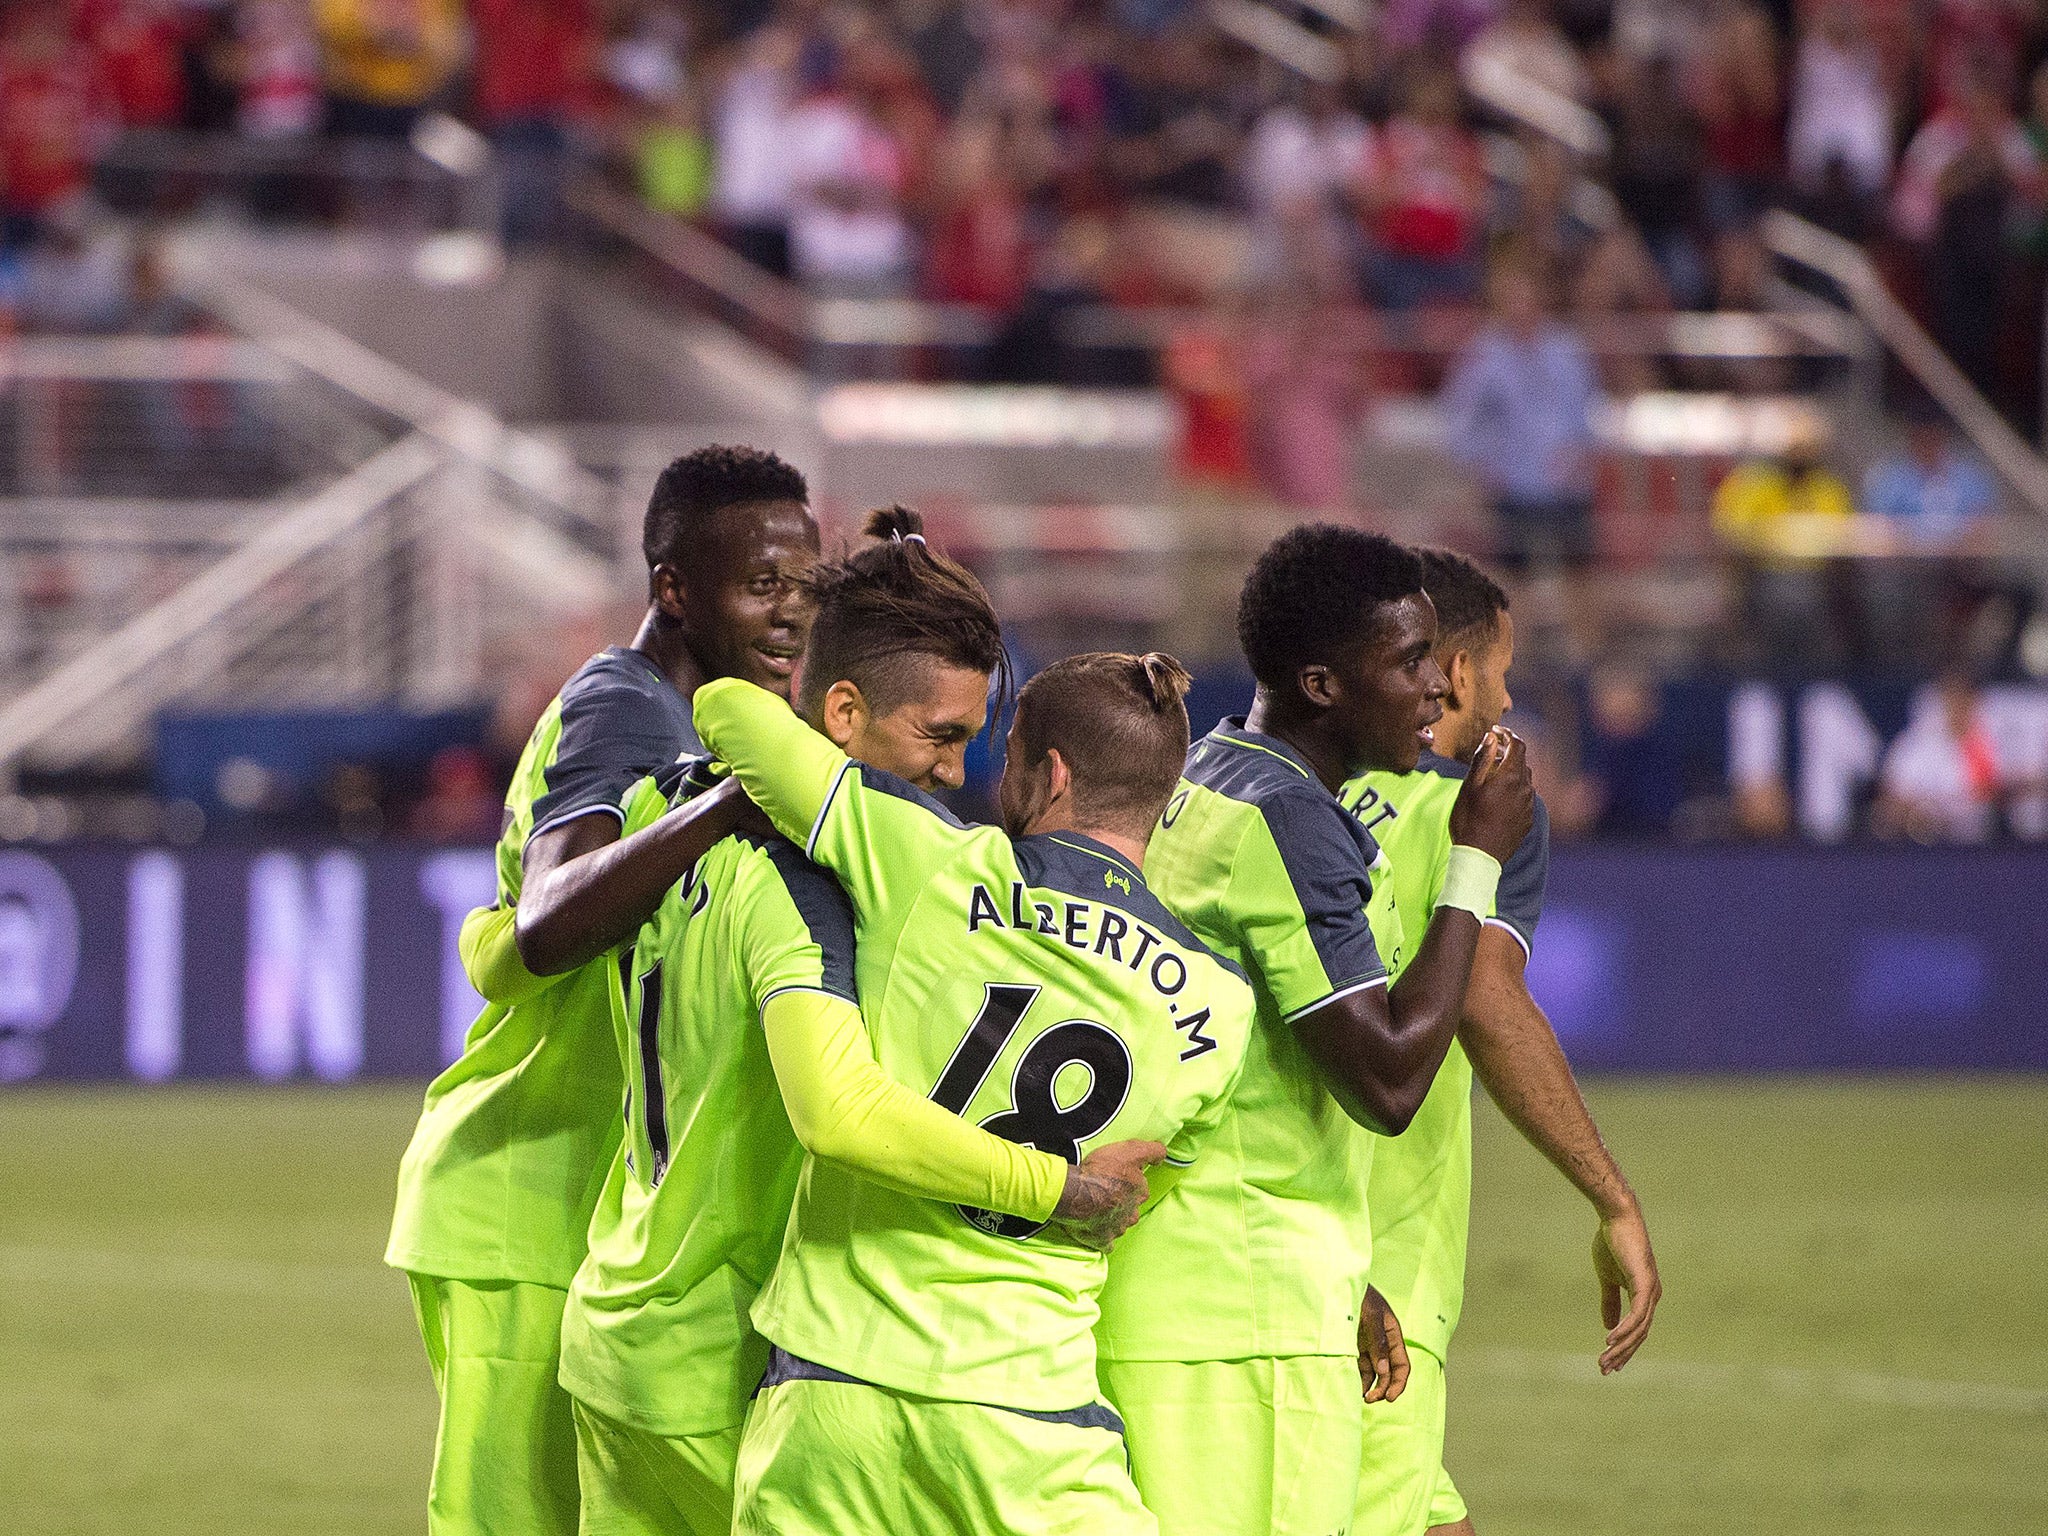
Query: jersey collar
(1078, 843)
(1231, 732)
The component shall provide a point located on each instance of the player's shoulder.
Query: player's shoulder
(1082, 868)
(619, 678)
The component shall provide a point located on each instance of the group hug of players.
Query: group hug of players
(1104, 1171)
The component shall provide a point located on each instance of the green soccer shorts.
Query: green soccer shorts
(834, 1458)
(505, 1449)
(1265, 1447)
(1403, 1489)
(636, 1483)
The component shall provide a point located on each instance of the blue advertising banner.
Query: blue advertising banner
(333, 963)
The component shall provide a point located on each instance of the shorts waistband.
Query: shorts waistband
(785, 1367)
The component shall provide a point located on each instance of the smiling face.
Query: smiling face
(737, 598)
(922, 735)
(1386, 698)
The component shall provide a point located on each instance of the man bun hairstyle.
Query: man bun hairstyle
(1468, 602)
(1315, 595)
(698, 485)
(889, 607)
(1120, 722)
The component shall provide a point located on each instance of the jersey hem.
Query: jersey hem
(938, 1388)
(620, 1412)
(417, 1262)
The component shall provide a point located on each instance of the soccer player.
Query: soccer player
(934, 1368)
(496, 1188)
(1421, 1185)
(1232, 1321)
(741, 1001)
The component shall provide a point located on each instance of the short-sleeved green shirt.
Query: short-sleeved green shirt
(1262, 1249)
(690, 1222)
(1420, 1192)
(1036, 987)
(512, 1146)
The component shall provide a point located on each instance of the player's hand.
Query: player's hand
(1623, 1260)
(1496, 805)
(1104, 1193)
(749, 818)
(1382, 1351)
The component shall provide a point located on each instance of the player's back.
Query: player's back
(1420, 1190)
(690, 1221)
(1038, 988)
(1262, 1249)
(506, 1164)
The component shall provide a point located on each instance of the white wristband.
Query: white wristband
(1471, 881)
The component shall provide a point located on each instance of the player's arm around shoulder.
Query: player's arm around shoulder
(883, 838)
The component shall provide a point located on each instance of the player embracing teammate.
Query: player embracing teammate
(890, 1083)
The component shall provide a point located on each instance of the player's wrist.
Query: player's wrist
(1471, 881)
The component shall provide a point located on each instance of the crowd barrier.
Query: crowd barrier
(331, 963)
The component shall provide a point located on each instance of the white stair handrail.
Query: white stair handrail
(1851, 269)
(94, 677)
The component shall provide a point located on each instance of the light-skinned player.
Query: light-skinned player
(743, 1048)
(934, 1368)
(1421, 1185)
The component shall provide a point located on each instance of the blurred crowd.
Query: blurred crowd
(993, 152)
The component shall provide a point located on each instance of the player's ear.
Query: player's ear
(844, 713)
(1318, 684)
(1059, 778)
(668, 589)
(1461, 672)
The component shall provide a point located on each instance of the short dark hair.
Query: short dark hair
(1121, 723)
(707, 481)
(1315, 594)
(1468, 602)
(893, 603)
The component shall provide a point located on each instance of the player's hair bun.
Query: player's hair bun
(1166, 680)
(897, 524)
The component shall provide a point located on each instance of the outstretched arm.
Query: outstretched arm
(1515, 1053)
(587, 890)
(845, 1109)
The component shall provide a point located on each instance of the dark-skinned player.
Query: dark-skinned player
(496, 1188)
(1231, 1324)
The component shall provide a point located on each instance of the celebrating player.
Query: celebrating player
(496, 1189)
(933, 1367)
(1421, 1184)
(741, 1000)
(1232, 1320)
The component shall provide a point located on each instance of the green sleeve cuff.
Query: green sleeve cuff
(490, 958)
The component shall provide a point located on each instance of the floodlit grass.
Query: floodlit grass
(198, 1336)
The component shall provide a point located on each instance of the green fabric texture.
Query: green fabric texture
(1229, 1447)
(825, 1458)
(1036, 989)
(505, 1446)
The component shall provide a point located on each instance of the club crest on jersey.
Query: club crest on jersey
(1112, 881)
(1086, 926)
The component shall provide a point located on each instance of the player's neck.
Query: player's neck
(1308, 738)
(1132, 848)
(662, 643)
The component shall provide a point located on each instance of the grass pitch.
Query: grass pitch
(197, 1335)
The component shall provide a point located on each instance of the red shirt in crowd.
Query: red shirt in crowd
(137, 44)
(54, 105)
(533, 58)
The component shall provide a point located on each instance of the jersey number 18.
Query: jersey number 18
(1036, 1117)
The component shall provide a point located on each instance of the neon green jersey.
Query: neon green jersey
(1036, 987)
(1420, 1192)
(512, 1146)
(690, 1221)
(1262, 1249)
